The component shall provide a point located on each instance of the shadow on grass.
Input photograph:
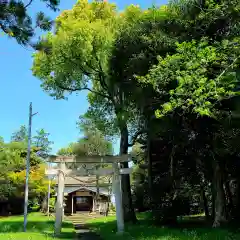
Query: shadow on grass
(193, 222)
(43, 227)
(146, 230)
(33, 226)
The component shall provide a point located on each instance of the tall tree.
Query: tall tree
(66, 151)
(202, 79)
(92, 143)
(64, 68)
(12, 163)
(42, 142)
(21, 135)
(139, 47)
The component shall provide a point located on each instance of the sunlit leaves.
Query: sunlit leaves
(38, 184)
(92, 143)
(79, 49)
(200, 75)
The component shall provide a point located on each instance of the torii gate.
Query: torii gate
(62, 171)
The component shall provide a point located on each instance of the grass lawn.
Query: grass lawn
(39, 227)
(106, 227)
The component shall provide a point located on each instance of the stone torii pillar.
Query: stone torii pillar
(118, 198)
(60, 199)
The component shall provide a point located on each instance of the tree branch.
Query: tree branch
(135, 137)
(88, 74)
(3, 28)
(226, 69)
(30, 2)
(100, 72)
(80, 89)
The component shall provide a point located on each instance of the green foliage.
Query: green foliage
(196, 77)
(52, 204)
(92, 146)
(112, 208)
(78, 50)
(16, 20)
(66, 151)
(42, 142)
(13, 164)
(93, 143)
(139, 179)
(100, 116)
(21, 135)
(13, 156)
(138, 154)
(217, 20)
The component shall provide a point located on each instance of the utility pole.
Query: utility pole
(27, 167)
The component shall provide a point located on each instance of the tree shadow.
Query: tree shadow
(193, 222)
(147, 230)
(43, 227)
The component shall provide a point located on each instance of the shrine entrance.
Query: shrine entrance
(83, 203)
(73, 166)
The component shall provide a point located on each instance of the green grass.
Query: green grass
(144, 230)
(39, 227)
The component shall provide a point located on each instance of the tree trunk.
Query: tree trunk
(228, 194)
(129, 214)
(202, 181)
(220, 200)
(236, 214)
(171, 215)
(44, 205)
(230, 205)
(213, 201)
(205, 202)
(150, 177)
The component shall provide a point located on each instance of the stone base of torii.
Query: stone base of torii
(62, 171)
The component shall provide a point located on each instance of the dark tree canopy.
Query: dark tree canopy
(15, 19)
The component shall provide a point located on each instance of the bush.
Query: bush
(52, 205)
(112, 208)
(16, 206)
(35, 208)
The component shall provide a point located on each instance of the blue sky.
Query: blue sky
(19, 88)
